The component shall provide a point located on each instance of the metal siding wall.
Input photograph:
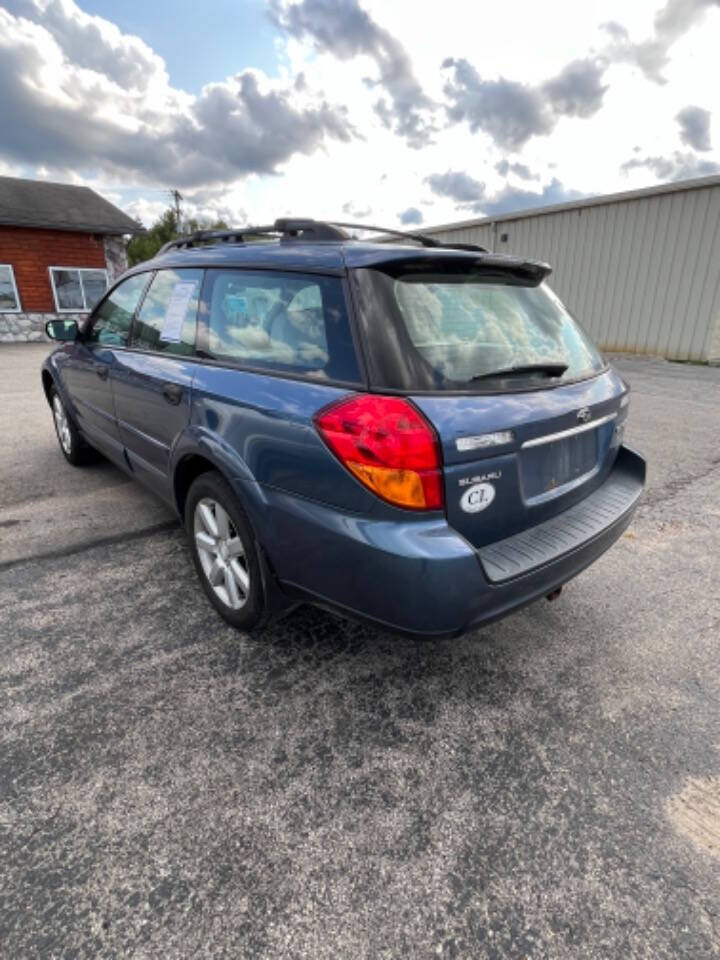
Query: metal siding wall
(705, 298)
(640, 275)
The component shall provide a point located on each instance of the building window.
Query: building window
(9, 299)
(77, 290)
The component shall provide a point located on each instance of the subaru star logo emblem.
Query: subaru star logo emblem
(584, 414)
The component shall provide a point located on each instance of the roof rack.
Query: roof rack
(421, 238)
(283, 229)
(304, 229)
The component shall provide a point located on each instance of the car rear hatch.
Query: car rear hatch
(528, 414)
(511, 462)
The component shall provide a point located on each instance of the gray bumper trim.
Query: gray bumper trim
(533, 548)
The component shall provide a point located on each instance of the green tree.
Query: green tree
(146, 245)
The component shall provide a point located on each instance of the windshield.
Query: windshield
(468, 326)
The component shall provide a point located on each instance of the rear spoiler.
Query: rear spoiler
(523, 270)
(535, 270)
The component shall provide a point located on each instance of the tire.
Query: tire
(72, 445)
(225, 553)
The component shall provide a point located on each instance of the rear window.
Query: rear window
(469, 329)
(285, 322)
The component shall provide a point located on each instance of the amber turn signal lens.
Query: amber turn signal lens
(403, 487)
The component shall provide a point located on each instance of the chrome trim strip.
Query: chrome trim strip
(563, 487)
(552, 437)
(484, 441)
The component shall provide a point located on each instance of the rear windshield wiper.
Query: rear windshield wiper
(549, 369)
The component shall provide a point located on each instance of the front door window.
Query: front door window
(112, 320)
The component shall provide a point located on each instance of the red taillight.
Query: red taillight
(389, 446)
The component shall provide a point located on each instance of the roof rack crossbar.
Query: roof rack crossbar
(286, 228)
(297, 228)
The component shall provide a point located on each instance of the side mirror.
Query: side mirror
(62, 329)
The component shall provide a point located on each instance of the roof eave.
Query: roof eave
(677, 186)
(104, 229)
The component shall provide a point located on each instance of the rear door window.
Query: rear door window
(110, 324)
(167, 318)
(284, 322)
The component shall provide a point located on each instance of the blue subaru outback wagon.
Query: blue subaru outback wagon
(413, 433)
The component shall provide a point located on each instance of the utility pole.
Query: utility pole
(177, 197)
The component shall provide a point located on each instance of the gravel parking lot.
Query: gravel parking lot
(548, 787)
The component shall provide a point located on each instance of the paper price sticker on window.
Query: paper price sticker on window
(180, 298)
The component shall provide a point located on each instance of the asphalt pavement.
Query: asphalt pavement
(547, 787)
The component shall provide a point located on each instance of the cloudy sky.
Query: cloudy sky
(400, 112)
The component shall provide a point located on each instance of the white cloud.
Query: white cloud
(359, 117)
(695, 127)
(82, 117)
(95, 44)
(671, 22)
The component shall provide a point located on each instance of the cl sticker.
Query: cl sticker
(477, 497)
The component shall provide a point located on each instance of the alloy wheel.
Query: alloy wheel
(221, 553)
(62, 425)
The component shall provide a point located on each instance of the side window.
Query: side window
(9, 299)
(77, 288)
(166, 321)
(112, 319)
(281, 321)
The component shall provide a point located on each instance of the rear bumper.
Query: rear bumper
(422, 578)
(546, 542)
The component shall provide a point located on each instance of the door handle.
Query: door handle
(101, 370)
(172, 392)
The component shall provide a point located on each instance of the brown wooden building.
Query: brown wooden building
(60, 247)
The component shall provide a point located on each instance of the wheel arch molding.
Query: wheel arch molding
(198, 451)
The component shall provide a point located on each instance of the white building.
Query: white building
(639, 270)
